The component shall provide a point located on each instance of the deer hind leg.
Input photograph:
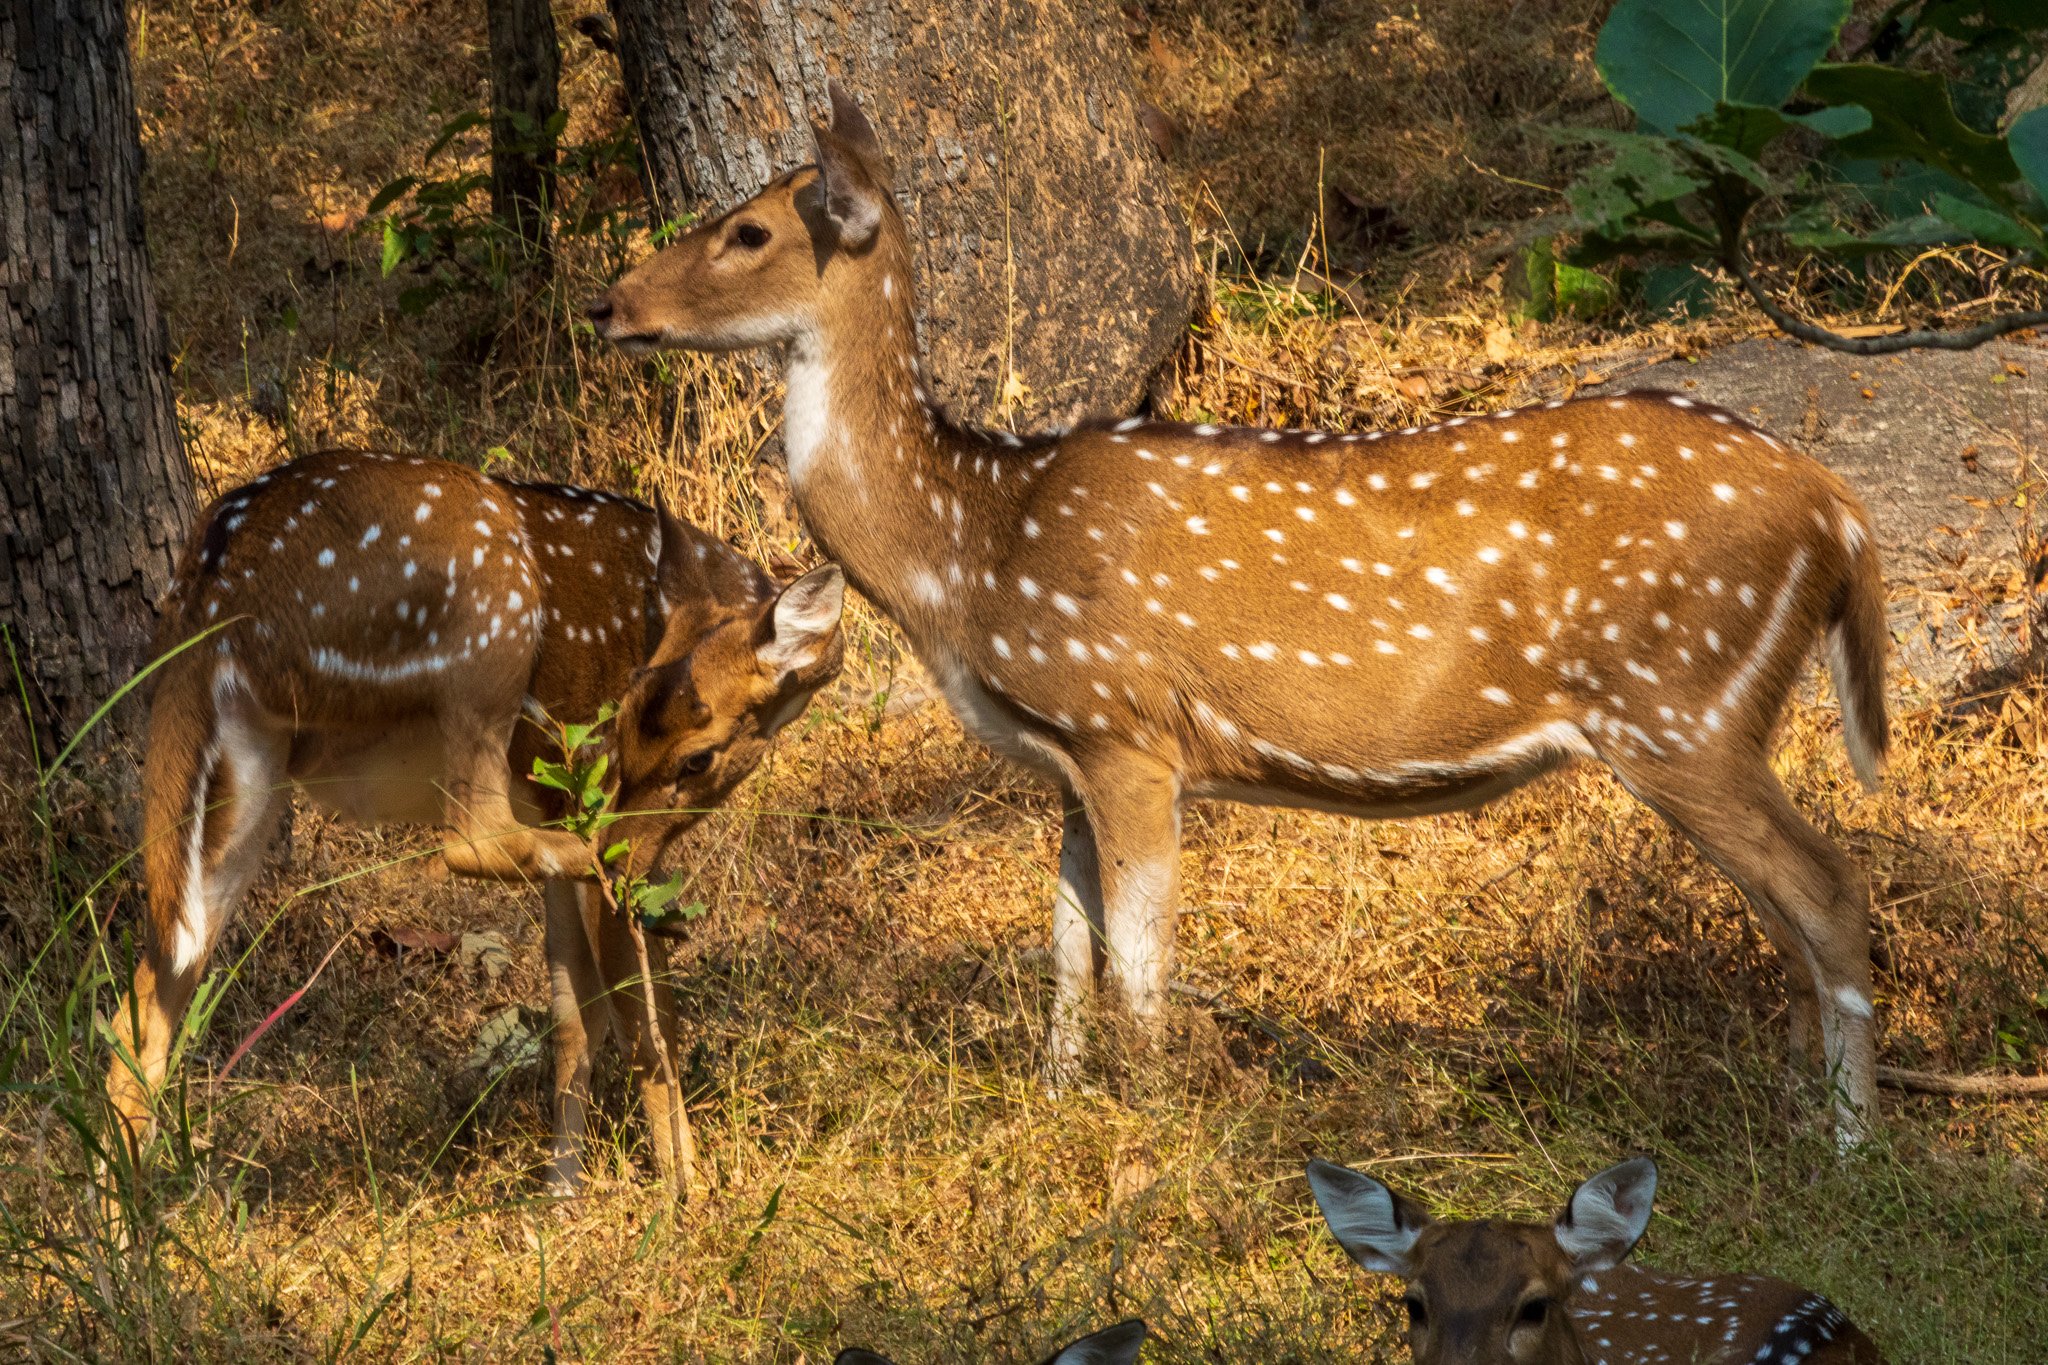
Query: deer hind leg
(1077, 940)
(668, 1122)
(582, 1011)
(239, 793)
(1814, 903)
(486, 837)
(1133, 805)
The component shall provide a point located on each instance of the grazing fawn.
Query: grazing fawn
(1486, 1291)
(1118, 1345)
(1381, 623)
(371, 630)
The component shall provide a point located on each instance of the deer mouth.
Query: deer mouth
(634, 343)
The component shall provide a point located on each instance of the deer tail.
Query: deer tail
(1857, 643)
(177, 775)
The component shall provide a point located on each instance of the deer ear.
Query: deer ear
(1116, 1345)
(853, 171)
(1605, 1217)
(803, 625)
(851, 127)
(1372, 1223)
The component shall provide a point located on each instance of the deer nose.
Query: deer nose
(600, 310)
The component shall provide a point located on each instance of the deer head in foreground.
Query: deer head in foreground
(370, 629)
(1382, 623)
(1118, 1345)
(1492, 1293)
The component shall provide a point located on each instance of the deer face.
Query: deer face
(692, 724)
(757, 275)
(1488, 1293)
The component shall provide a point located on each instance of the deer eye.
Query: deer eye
(1418, 1316)
(696, 765)
(751, 236)
(1534, 1313)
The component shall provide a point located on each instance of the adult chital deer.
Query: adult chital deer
(377, 627)
(1386, 623)
(1118, 1345)
(1486, 1291)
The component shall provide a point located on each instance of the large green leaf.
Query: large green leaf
(1643, 171)
(1912, 117)
(2027, 140)
(1749, 128)
(1672, 61)
(1987, 224)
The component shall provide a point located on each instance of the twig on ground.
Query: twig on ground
(1942, 1083)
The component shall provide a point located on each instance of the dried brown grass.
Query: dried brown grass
(1483, 1006)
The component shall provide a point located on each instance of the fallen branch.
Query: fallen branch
(1967, 339)
(1943, 1083)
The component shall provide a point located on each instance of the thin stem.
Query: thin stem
(682, 1173)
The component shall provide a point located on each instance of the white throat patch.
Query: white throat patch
(806, 407)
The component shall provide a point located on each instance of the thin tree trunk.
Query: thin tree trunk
(97, 491)
(526, 67)
(1055, 269)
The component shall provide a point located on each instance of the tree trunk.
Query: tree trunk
(526, 67)
(1055, 270)
(97, 492)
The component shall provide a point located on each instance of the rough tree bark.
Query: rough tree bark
(97, 492)
(526, 68)
(1049, 244)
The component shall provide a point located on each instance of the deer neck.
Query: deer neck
(904, 500)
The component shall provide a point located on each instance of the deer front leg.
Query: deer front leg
(1134, 812)
(1077, 937)
(486, 838)
(582, 1011)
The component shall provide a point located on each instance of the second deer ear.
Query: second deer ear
(1606, 1216)
(852, 170)
(1118, 1345)
(1374, 1225)
(802, 628)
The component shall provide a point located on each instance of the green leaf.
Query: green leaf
(1987, 224)
(2027, 142)
(617, 851)
(395, 246)
(652, 899)
(390, 194)
(1913, 118)
(554, 775)
(1580, 292)
(1645, 171)
(1920, 230)
(453, 129)
(1748, 128)
(1672, 61)
(1682, 289)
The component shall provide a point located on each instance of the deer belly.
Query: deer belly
(394, 776)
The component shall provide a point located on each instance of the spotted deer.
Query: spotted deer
(370, 629)
(1489, 1291)
(1118, 1345)
(1386, 623)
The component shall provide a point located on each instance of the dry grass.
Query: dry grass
(1484, 1006)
